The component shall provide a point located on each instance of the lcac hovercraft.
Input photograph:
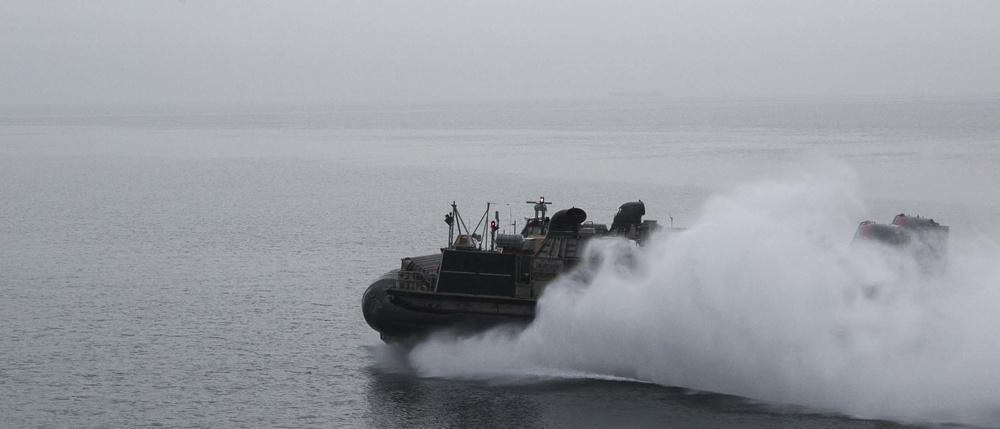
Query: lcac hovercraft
(474, 284)
(923, 238)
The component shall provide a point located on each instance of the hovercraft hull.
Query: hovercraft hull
(399, 316)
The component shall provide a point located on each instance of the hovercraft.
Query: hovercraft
(475, 284)
(923, 238)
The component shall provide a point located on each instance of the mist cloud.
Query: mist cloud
(761, 297)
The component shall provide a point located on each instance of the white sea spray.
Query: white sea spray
(763, 297)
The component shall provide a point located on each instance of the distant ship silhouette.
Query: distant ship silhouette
(633, 94)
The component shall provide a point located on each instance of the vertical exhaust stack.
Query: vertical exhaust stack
(567, 221)
(628, 222)
(629, 215)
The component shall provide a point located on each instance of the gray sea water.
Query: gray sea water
(203, 267)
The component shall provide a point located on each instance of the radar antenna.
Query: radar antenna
(540, 208)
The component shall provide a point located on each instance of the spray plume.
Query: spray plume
(763, 298)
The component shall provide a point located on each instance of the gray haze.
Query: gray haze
(125, 52)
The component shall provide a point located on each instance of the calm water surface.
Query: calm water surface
(204, 268)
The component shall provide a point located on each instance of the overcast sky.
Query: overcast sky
(154, 52)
